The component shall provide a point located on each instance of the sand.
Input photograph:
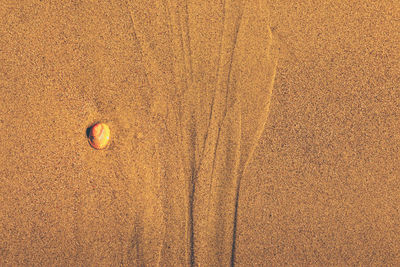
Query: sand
(242, 133)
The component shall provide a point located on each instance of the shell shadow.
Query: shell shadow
(88, 131)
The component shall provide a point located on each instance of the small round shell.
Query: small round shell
(99, 135)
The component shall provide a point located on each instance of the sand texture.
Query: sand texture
(242, 133)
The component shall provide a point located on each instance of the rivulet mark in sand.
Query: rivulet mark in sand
(211, 69)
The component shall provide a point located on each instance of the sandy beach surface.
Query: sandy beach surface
(248, 133)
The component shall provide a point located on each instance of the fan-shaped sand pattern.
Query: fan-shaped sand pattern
(185, 87)
(217, 84)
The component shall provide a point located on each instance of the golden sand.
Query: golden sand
(243, 132)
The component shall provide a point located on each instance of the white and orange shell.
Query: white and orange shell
(99, 135)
